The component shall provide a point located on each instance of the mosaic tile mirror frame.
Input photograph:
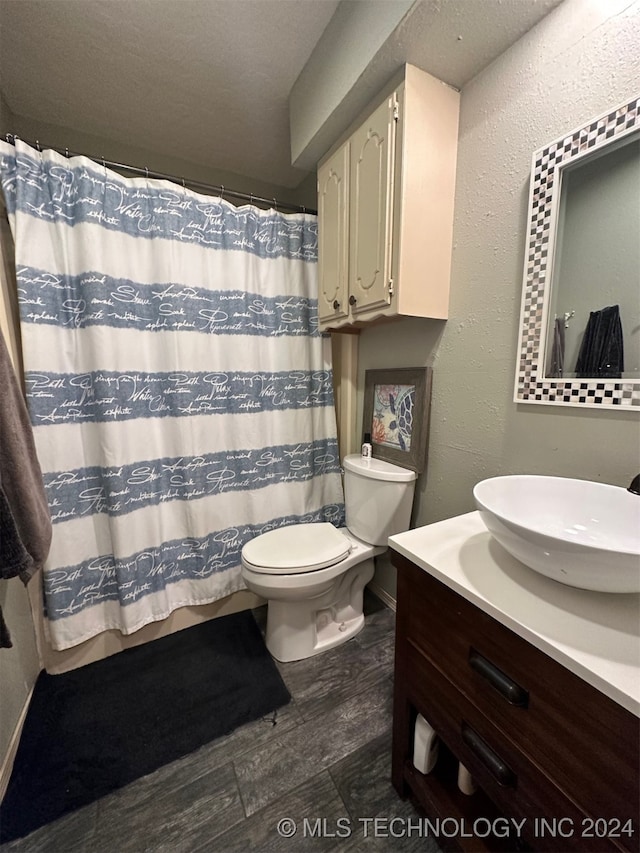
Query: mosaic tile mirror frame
(533, 383)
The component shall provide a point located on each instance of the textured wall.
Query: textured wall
(579, 61)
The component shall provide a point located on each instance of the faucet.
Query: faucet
(634, 488)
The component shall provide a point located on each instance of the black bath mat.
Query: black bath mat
(98, 728)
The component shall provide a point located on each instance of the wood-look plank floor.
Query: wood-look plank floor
(323, 762)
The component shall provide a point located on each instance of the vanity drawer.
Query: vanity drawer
(551, 820)
(580, 738)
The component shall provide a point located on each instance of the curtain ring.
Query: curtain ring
(38, 146)
(275, 204)
(66, 153)
(221, 196)
(146, 171)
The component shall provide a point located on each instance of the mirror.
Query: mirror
(580, 319)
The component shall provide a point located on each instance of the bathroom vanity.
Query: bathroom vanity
(534, 686)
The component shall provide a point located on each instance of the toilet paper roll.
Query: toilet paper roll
(465, 780)
(425, 746)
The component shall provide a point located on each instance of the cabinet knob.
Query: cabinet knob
(336, 304)
(352, 300)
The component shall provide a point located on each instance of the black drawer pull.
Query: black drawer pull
(512, 692)
(494, 764)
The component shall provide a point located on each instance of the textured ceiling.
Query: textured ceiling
(209, 80)
(204, 80)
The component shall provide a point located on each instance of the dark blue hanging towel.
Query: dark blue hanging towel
(602, 351)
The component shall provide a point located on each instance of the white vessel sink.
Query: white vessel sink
(577, 532)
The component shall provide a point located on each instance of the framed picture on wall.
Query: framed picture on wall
(396, 414)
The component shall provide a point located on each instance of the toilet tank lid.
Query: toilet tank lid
(377, 469)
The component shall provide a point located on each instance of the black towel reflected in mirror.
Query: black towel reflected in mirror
(602, 350)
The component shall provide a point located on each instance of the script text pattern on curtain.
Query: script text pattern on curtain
(180, 393)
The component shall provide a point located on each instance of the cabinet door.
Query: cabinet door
(372, 172)
(333, 234)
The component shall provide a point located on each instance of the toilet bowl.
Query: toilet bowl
(313, 575)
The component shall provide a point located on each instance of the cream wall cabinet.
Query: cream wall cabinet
(385, 206)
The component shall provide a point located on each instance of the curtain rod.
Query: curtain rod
(220, 190)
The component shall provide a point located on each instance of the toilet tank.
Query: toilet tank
(378, 497)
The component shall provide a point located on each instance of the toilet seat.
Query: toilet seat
(296, 549)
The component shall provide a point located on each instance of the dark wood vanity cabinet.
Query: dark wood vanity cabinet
(545, 748)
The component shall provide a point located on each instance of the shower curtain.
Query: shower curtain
(180, 393)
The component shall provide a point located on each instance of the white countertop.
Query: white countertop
(595, 635)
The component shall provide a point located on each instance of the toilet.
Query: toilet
(313, 575)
